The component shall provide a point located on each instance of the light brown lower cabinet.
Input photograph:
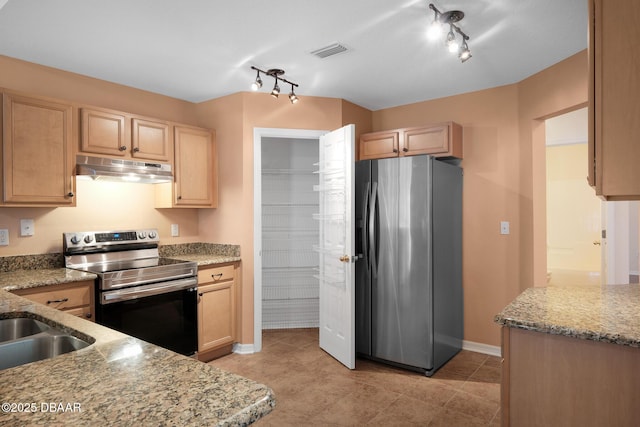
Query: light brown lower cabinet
(76, 298)
(216, 310)
(555, 380)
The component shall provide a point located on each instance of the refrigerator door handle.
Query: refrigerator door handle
(365, 228)
(372, 229)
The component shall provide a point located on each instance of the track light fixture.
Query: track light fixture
(276, 73)
(436, 31)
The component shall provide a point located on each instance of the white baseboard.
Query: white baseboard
(491, 350)
(243, 348)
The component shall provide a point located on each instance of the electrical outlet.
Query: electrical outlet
(175, 230)
(4, 237)
(504, 227)
(27, 227)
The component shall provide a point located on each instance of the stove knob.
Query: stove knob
(142, 235)
(88, 238)
(152, 235)
(75, 239)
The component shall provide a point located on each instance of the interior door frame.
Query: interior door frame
(258, 134)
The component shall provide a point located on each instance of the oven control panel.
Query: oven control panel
(85, 240)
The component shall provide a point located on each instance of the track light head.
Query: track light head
(276, 90)
(464, 53)
(257, 84)
(292, 96)
(452, 44)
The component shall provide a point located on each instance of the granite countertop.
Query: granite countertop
(24, 279)
(120, 378)
(599, 313)
(32, 271)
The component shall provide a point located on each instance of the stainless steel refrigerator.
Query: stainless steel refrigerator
(409, 268)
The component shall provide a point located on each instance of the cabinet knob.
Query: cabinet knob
(136, 149)
(88, 315)
(395, 150)
(405, 149)
(70, 194)
(122, 148)
(179, 197)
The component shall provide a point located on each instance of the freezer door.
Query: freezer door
(363, 265)
(403, 331)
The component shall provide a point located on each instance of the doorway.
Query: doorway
(573, 210)
(589, 241)
(286, 293)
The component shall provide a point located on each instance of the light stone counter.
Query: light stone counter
(123, 380)
(24, 279)
(608, 313)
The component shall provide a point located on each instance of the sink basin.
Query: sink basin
(39, 347)
(25, 340)
(11, 329)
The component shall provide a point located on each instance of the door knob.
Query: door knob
(596, 242)
(344, 258)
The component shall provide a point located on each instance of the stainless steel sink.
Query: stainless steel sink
(11, 329)
(26, 340)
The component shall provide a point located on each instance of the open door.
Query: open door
(336, 245)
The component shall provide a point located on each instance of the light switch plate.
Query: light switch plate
(26, 227)
(175, 230)
(504, 227)
(4, 237)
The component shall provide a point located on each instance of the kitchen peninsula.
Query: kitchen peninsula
(122, 379)
(571, 356)
(118, 378)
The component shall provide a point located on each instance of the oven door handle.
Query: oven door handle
(136, 292)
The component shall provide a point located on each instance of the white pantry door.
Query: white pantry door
(336, 245)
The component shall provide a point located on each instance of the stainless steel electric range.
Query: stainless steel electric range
(138, 292)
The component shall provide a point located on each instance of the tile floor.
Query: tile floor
(311, 388)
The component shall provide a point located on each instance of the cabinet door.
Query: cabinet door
(37, 159)
(150, 140)
(614, 90)
(195, 168)
(104, 132)
(216, 315)
(378, 145)
(439, 140)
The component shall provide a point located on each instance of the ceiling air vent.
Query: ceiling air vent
(330, 50)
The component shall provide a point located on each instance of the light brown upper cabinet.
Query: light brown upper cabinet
(37, 152)
(118, 134)
(439, 140)
(195, 171)
(614, 91)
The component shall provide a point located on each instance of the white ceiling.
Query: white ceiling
(203, 49)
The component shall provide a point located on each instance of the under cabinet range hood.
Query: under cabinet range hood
(103, 168)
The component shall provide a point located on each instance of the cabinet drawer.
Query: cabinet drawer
(215, 275)
(60, 296)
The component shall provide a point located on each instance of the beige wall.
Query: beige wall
(491, 266)
(125, 206)
(100, 206)
(234, 117)
(503, 163)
